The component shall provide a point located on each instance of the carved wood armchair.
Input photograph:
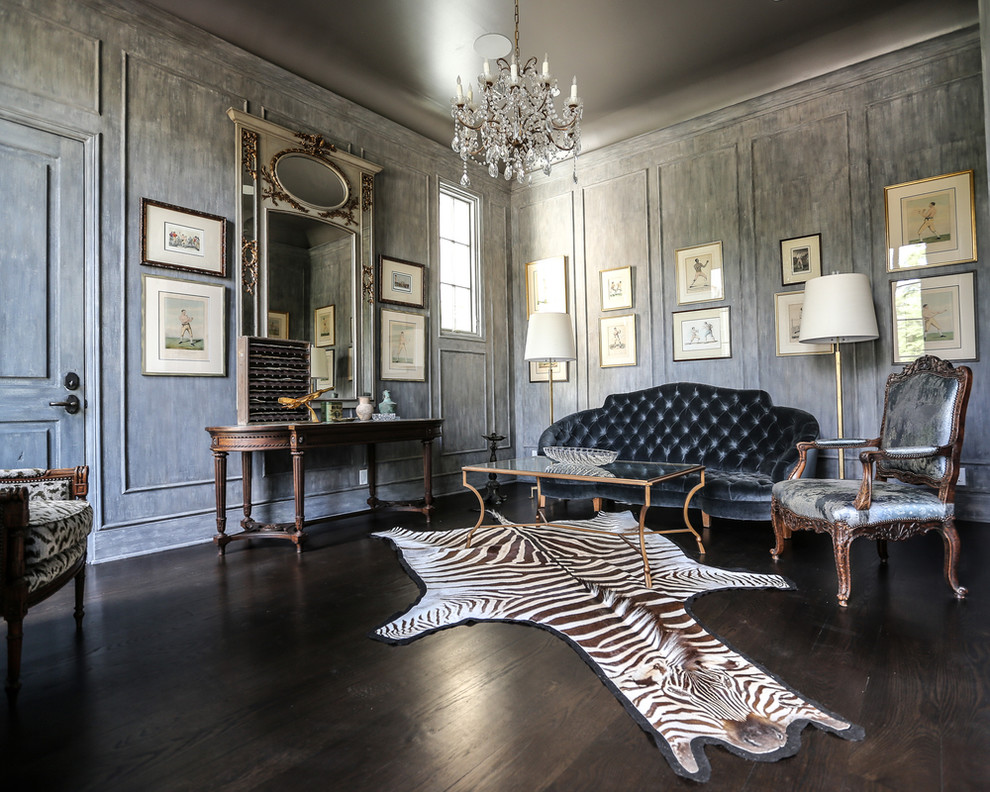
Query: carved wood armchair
(44, 525)
(919, 444)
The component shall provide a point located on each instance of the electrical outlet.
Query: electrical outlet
(533, 452)
(363, 476)
(961, 481)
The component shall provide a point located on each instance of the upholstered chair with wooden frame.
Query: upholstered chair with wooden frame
(919, 444)
(44, 525)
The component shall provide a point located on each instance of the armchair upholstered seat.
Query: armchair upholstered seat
(918, 447)
(745, 441)
(45, 522)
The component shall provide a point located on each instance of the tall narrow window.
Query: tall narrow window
(458, 229)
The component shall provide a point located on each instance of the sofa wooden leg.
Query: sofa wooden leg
(596, 504)
(706, 520)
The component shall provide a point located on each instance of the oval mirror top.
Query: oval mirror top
(311, 180)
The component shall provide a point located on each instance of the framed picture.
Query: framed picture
(183, 327)
(324, 326)
(401, 282)
(699, 273)
(617, 340)
(801, 258)
(930, 222)
(541, 370)
(278, 324)
(934, 316)
(787, 312)
(403, 346)
(182, 239)
(546, 285)
(701, 334)
(328, 382)
(616, 288)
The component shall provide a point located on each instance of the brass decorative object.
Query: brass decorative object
(303, 401)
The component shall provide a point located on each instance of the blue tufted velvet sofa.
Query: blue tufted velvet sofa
(745, 442)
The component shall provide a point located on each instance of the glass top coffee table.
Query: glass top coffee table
(637, 474)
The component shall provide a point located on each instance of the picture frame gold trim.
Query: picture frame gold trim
(702, 334)
(787, 326)
(617, 341)
(173, 237)
(401, 282)
(539, 371)
(800, 259)
(546, 285)
(930, 222)
(699, 261)
(278, 324)
(616, 288)
(183, 327)
(403, 345)
(934, 315)
(325, 326)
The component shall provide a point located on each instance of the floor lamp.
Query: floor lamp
(550, 338)
(838, 309)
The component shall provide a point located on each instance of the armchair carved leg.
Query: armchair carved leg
(780, 531)
(80, 584)
(840, 544)
(882, 550)
(951, 540)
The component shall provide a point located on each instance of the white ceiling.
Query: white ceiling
(641, 64)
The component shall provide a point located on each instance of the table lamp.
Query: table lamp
(550, 338)
(838, 309)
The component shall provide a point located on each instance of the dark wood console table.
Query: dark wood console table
(297, 438)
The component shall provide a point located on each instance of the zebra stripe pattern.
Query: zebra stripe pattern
(681, 684)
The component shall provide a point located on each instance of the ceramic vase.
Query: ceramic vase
(364, 408)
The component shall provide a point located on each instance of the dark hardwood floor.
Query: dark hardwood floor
(257, 673)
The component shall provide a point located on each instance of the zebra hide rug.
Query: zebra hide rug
(680, 683)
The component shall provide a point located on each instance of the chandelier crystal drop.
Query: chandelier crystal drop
(513, 125)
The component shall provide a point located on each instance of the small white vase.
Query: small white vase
(364, 408)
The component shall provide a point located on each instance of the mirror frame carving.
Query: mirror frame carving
(260, 144)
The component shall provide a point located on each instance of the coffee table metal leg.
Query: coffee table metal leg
(648, 579)
(687, 521)
(481, 504)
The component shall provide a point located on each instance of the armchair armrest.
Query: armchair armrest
(868, 458)
(838, 442)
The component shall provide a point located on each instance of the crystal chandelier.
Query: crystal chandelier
(514, 122)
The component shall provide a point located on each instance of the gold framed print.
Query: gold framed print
(617, 340)
(701, 334)
(930, 222)
(787, 308)
(546, 285)
(699, 273)
(934, 316)
(616, 288)
(800, 258)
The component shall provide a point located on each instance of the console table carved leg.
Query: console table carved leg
(428, 480)
(299, 493)
(220, 486)
(369, 458)
(246, 477)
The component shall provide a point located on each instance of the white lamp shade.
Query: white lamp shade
(550, 337)
(318, 368)
(838, 309)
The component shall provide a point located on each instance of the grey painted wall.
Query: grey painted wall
(150, 95)
(813, 158)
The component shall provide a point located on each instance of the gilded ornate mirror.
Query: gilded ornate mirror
(305, 220)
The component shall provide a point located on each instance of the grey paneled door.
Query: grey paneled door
(41, 298)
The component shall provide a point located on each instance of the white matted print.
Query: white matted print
(701, 334)
(616, 288)
(617, 340)
(800, 258)
(699, 273)
(540, 370)
(930, 222)
(934, 316)
(182, 239)
(787, 312)
(183, 330)
(401, 282)
(546, 285)
(403, 349)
